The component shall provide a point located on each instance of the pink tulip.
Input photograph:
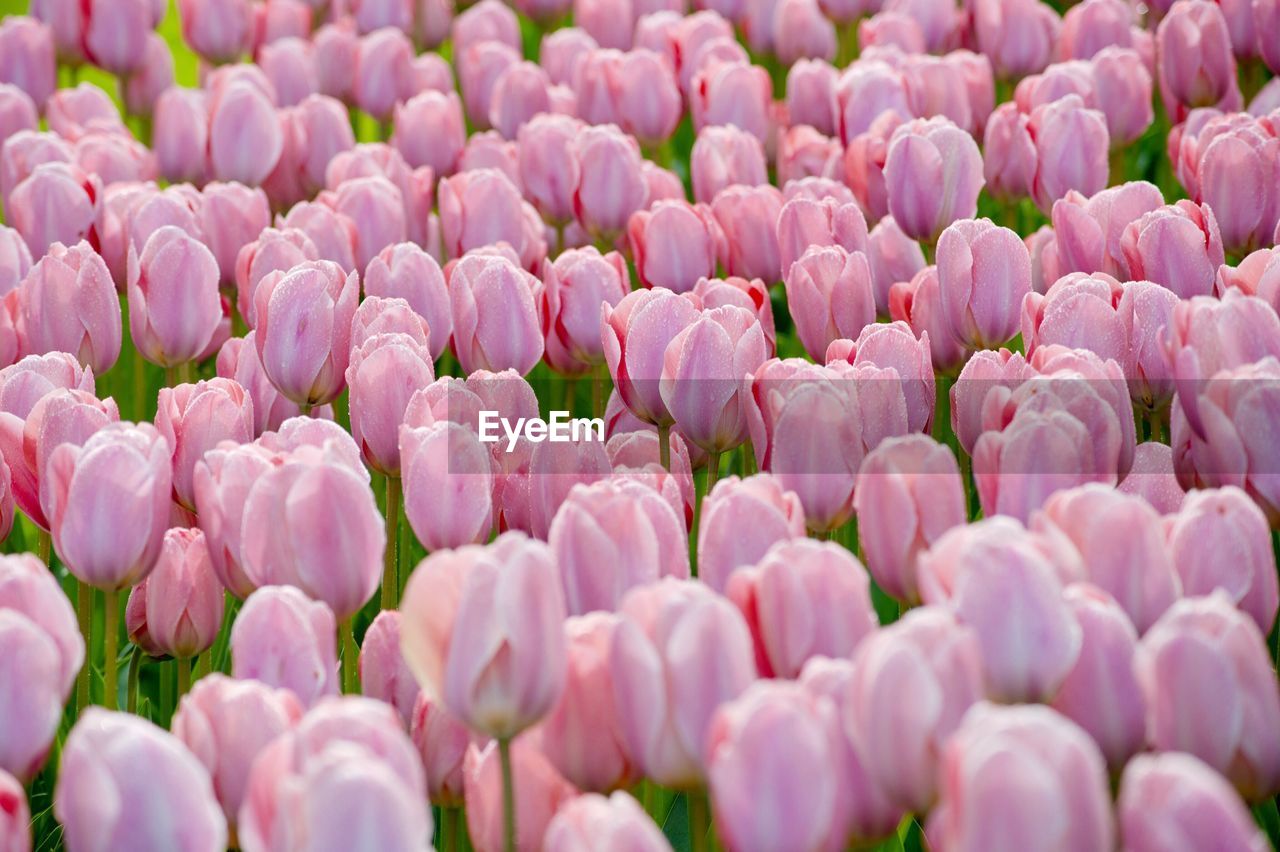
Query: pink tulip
(573, 289)
(1203, 641)
(751, 294)
(183, 597)
(245, 139)
(1122, 92)
(748, 218)
(307, 369)
(481, 207)
(940, 22)
(290, 66)
(703, 366)
(15, 816)
(615, 822)
(796, 732)
(987, 570)
(488, 20)
(691, 243)
(1224, 522)
(482, 289)
(33, 693)
(382, 75)
(1206, 335)
(384, 675)
(407, 272)
(926, 653)
(277, 543)
(926, 156)
(801, 31)
(560, 51)
(1089, 231)
(830, 294)
(1178, 246)
(137, 766)
(174, 309)
(804, 152)
(232, 216)
(581, 736)
(520, 92)
(893, 257)
(29, 590)
(741, 521)
(983, 274)
(68, 303)
(891, 29)
(540, 791)
(1122, 542)
(1197, 68)
(894, 345)
(609, 537)
(114, 34)
(442, 742)
(1258, 274)
(1016, 777)
(1228, 152)
(446, 456)
(635, 335)
(15, 260)
(909, 494)
(663, 686)
(723, 156)
(1266, 20)
(548, 164)
(81, 489)
(226, 723)
(482, 64)
(1153, 478)
(609, 22)
(222, 480)
(1092, 26)
(429, 131)
(1017, 35)
(218, 32)
(20, 155)
(194, 419)
(384, 373)
(453, 594)
(823, 580)
(287, 641)
(346, 773)
(29, 62)
(180, 134)
(238, 360)
(1104, 667)
(73, 113)
(734, 92)
(1071, 144)
(646, 99)
(610, 182)
(864, 92)
(376, 209)
(1158, 793)
(55, 203)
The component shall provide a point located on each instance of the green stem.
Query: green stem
(43, 546)
(713, 472)
(131, 693)
(449, 820)
(84, 611)
(110, 630)
(390, 582)
(305, 409)
(1155, 426)
(664, 445)
(699, 820)
(350, 666)
(184, 676)
(508, 796)
(203, 664)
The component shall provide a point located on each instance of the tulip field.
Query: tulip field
(639, 425)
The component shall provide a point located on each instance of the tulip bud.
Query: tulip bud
(183, 597)
(454, 592)
(610, 184)
(27, 48)
(29, 589)
(81, 491)
(734, 92)
(245, 139)
(316, 296)
(829, 291)
(635, 334)
(1149, 819)
(983, 571)
(346, 753)
(573, 289)
(1201, 643)
(927, 652)
(226, 723)
(926, 156)
(180, 134)
(581, 735)
(1197, 68)
(285, 640)
(665, 703)
(1217, 540)
(384, 675)
(68, 303)
(1029, 759)
(174, 308)
(615, 822)
(723, 156)
(54, 186)
(383, 375)
(1104, 667)
(218, 32)
(194, 419)
(741, 520)
(139, 767)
